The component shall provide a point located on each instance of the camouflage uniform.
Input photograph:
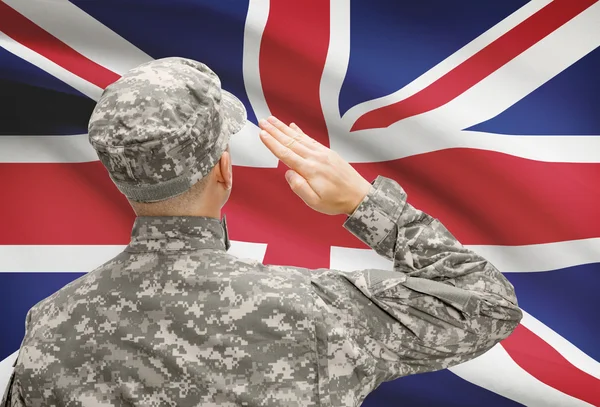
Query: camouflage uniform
(175, 320)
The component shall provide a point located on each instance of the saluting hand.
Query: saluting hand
(318, 175)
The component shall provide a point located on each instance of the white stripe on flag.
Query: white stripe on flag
(46, 149)
(414, 136)
(82, 32)
(90, 90)
(246, 149)
(496, 371)
(50, 258)
(84, 258)
(256, 21)
(6, 368)
(336, 66)
(525, 259)
(541, 257)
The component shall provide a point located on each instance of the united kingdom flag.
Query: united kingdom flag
(487, 113)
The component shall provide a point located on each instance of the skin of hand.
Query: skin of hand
(318, 175)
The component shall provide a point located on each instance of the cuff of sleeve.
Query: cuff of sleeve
(378, 213)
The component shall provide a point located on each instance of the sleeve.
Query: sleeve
(441, 305)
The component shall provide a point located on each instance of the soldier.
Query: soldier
(174, 320)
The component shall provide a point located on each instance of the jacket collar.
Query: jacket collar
(177, 233)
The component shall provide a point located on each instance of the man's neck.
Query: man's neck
(205, 214)
(160, 210)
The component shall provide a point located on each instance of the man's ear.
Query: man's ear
(225, 172)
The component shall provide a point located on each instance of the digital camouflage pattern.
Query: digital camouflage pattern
(175, 320)
(163, 126)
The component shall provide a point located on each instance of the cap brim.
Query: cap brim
(233, 112)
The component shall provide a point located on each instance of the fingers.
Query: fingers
(301, 188)
(286, 155)
(278, 130)
(285, 134)
(307, 140)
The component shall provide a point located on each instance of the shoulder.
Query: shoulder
(80, 293)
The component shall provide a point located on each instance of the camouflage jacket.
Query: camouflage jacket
(174, 320)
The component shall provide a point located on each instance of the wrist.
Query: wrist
(359, 196)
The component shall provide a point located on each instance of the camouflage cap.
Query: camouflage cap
(163, 126)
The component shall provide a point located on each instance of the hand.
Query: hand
(318, 175)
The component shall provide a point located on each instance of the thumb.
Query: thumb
(301, 187)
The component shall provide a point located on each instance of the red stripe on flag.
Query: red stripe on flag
(482, 197)
(292, 58)
(24, 31)
(550, 367)
(478, 66)
(485, 197)
(57, 204)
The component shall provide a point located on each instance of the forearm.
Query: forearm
(422, 248)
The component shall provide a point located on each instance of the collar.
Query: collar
(176, 233)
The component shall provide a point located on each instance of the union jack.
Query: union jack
(486, 113)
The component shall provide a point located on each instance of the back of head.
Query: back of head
(162, 127)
